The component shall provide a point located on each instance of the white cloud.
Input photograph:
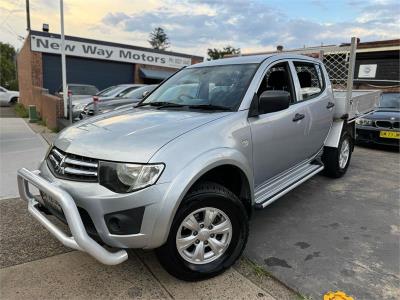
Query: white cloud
(255, 25)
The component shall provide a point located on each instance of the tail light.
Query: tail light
(95, 99)
(69, 93)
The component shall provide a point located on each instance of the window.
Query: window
(83, 89)
(277, 78)
(107, 91)
(126, 91)
(214, 85)
(310, 79)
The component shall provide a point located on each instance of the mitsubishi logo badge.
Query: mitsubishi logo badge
(59, 167)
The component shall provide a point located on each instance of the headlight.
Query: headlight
(364, 122)
(125, 178)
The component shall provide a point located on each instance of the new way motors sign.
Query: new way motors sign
(99, 51)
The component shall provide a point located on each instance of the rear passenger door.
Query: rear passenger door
(311, 90)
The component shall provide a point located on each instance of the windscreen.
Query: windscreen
(83, 89)
(107, 91)
(390, 100)
(138, 93)
(222, 86)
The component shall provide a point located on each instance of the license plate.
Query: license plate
(50, 202)
(389, 134)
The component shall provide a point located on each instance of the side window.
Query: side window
(278, 78)
(310, 79)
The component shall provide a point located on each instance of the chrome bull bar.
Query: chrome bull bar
(79, 240)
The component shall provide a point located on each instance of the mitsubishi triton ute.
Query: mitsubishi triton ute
(182, 171)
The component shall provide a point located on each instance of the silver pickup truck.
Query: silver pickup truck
(182, 171)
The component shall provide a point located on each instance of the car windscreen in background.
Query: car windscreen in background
(390, 100)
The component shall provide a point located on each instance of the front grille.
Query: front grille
(396, 125)
(383, 124)
(72, 167)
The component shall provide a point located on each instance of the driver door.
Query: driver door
(279, 137)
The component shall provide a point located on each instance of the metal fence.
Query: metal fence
(339, 62)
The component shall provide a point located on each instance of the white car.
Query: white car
(8, 97)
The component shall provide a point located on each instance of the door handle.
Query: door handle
(298, 117)
(330, 105)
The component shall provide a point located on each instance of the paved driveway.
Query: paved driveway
(336, 234)
(19, 147)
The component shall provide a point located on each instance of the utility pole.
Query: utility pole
(66, 97)
(28, 16)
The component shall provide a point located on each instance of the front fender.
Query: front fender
(185, 179)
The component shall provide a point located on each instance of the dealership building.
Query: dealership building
(88, 61)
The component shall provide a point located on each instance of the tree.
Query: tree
(159, 39)
(217, 54)
(8, 70)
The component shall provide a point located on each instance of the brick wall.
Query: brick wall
(196, 60)
(24, 73)
(48, 106)
(29, 72)
(30, 78)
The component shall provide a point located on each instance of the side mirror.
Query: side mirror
(272, 101)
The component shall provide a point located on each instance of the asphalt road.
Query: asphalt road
(336, 234)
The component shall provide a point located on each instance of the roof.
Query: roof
(376, 44)
(249, 59)
(112, 44)
(386, 45)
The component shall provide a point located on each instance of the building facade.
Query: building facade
(88, 61)
(95, 62)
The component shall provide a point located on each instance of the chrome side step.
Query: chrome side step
(282, 184)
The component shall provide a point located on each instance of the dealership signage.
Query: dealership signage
(99, 51)
(367, 71)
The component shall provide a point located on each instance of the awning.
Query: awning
(154, 74)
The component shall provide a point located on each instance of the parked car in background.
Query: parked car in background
(8, 97)
(106, 94)
(77, 92)
(381, 126)
(129, 98)
(115, 91)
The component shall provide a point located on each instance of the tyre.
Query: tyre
(337, 160)
(13, 101)
(208, 234)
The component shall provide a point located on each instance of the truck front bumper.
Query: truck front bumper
(79, 240)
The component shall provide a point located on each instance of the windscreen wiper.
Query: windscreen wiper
(210, 107)
(160, 104)
(170, 104)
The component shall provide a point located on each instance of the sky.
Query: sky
(193, 26)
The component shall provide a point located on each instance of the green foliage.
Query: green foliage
(21, 111)
(8, 70)
(217, 53)
(159, 39)
(42, 122)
